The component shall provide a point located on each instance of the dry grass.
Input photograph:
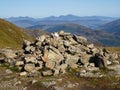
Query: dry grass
(11, 35)
(114, 49)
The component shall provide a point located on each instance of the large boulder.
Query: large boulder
(99, 60)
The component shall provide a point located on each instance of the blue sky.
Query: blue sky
(44, 8)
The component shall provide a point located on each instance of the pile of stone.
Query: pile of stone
(55, 53)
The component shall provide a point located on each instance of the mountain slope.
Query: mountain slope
(11, 35)
(112, 27)
(96, 36)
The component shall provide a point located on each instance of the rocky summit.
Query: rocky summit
(56, 54)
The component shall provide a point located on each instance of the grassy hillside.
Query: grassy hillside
(11, 35)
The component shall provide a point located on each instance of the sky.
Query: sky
(45, 8)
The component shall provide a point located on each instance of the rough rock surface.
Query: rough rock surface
(54, 54)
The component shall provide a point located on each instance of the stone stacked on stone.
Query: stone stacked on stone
(53, 54)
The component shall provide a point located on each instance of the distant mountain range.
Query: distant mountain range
(22, 21)
(11, 35)
(88, 21)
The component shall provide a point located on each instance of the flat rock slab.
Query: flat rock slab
(116, 68)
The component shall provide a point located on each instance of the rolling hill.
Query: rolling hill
(11, 35)
(112, 27)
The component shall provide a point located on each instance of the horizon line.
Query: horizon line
(62, 15)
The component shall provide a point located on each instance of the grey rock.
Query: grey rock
(58, 88)
(63, 68)
(56, 51)
(30, 59)
(29, 67)
(73, 65)
(91, 65)
(61, 32)
(70, 85)
(71, 59)
(48, 84)
(85, 58)
(83, 71)
(8, 53)
(32, 49)
(93, 69)
(45, 55)
(34, 81)
(8, 71)
(72, 49)
(28, 48)
(55, 56)
(88, 74)
(56, 71)
(19, 63)
(116, 62)
(54, 42)
(26, 42)
(94, 50)
(23, 73)
(71, 40)
(99, 60)
(90, 46)
(41, 38)
(61, 49)
(50, 64)
(38, 44)
(109, 62)
(17, 83)
(80, 39)
(66, 43)
(47, 73)
(33, 73)
(39, 65)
